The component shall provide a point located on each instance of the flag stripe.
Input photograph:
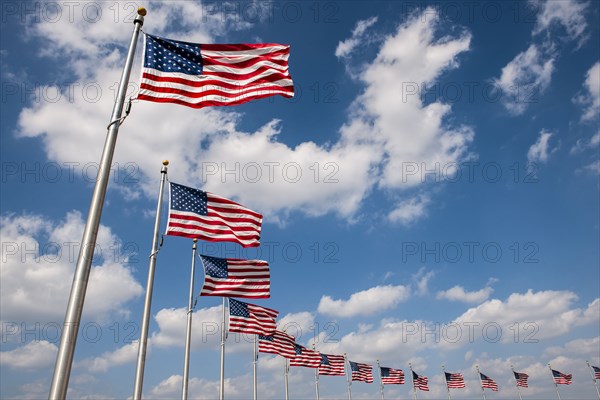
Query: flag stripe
(521, 379)
(279, 343)
(251, 319)
(391, 376)
(233, 277)
(420, 382)
(334, 365)
(361, 372)
(305, 358)
(454, 381)
(562, 379)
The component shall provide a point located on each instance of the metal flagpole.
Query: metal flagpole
(68, 340)
(553, 380)
(188, 329)
(446, 379)
(316, 375)
(223, 339)
(348, 375)
(286, 369)
(593, 378)
(141, 359)
(255, 366)
(480, 383)
(380, 380)
(413, 379)
(516, 382)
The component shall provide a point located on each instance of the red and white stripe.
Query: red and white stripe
(260, 322)
(364, 373)
(395, 377)
(307, 358)
(248, 279)
(335, 367)
(282, 344)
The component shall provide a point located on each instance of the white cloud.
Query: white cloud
(33, 355)
(590, 96)
(123, 355)
(346, 47)
(583, 347)
(570, 14)
(198, 388)
(582, 145)
(422, 279)
(524, 78)
(366, 302)
(540, 151)
(298, 325)
(409, 211)
(458, 293)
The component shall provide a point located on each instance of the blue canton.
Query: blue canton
(298, 349)
(324, 360)
(172, 56)
(238, 308)
(215, 267)
(269, 338)
(385, 371)
(354, 366)
(188, 199)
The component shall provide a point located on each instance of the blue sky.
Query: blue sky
(430, 195)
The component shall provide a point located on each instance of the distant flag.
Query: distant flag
(596, 372)
(454, 381)
(200, 75)
(561, 379)
(332, 365)
(391, 376)
(250, 318)
(361, 372)
(198, 214)
(232, 277)
(487, 382)
(279, 343)
(420, 382)
(305, 358)
(521, 379)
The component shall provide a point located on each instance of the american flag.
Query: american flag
(250, 318)
(200, 75)
(454, 381)
(521, 379)
(391, 376)
(561, 379)
(232, 277)
(420, 382)
(194, 213)
(596, 372)
(279, 343)
(305, 358)
(487, 382)
(332, 365)
(361, 372)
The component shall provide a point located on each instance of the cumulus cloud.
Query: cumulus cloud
(33, 355)
(366, 302)
(346, 47)
(409, 211)
(123, 355)
(540, 151)
(568, 14)
(458, 293)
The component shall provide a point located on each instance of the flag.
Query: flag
(252, 319)
(391, 376)
(194, 213)
(454, 381)
(332, 365)
(305, 358)
(487, 382)
(279, 343)
(562, 379)
(233, 277)
(200, 75)
(420, 382)
(361, 372)
(596, 372)
(521, 379)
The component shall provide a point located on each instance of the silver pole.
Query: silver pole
(188, 329)
(68, 340)
(255, 367)
(143, 343)
(316, 374)
(223, 339)
(413, 379)
(554, 381)
(380, 380)
(516, 382)
(348, 375)
(445, 379)
(286, 369)
(593, 378)
(480, 383)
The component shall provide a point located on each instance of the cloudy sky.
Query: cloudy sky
(430, 195)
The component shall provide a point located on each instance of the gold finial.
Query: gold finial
(142, 11)
(195, 240)
(165, 162)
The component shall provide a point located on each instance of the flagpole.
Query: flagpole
(516, 382)
(348, 375)
(286, 369)
(413, 380)
(255, 367)
(188, 329)
(446, 379)
(68, 340)
(380, 380)
(480, 383)
(593, 378)
(223, 339)
(142, 344)
(554, 380)
(316, 375)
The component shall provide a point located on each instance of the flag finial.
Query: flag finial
(142, 11)
(165, 162)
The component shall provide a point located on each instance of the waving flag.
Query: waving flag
(252, 319)
(454, 381)
(596, 372)
(232, 277)
(487, 382)
(562, 379)
(361, 372)
(332, 365)
(420, 382)
(391, 376)
(279, 343)
(194, 213)
(305, 358)
(200, 75)
(521, 379)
